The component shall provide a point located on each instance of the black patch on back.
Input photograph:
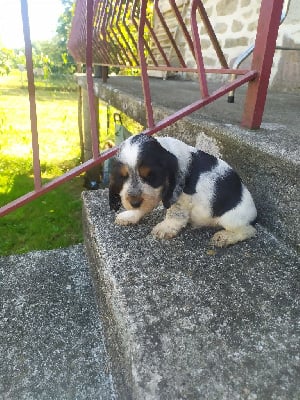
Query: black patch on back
(228, 193)
(201, 162)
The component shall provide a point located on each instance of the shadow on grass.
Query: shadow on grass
(51, 221)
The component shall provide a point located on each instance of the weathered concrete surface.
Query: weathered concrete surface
(51, 340)
(186, 321)
(267, 160)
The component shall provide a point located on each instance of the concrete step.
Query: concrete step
(267, 160)
(51, 337)
(186, 321)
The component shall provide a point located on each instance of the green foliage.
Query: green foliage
(6, 60)
(63, 31)
(54, 219)
(47, 55)
(59, 60)
(50, 56)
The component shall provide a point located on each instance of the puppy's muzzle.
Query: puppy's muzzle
(135, 201)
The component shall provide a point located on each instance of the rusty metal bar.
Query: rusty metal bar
(170, 37)
(97, 38)
(120, 50)
(111, 152)
(31, 92)
(138, 26)
(100, 52)
(241, 80)
(143, 63)
(265, 43)
(198, 52)
(133, 61)
(89, 77)
(245, 54)
(154, 37)
(125, 25)
(182, 26)
(212, 35)
(56, 182)
(216, 71)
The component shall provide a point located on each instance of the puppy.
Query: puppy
(194, 187)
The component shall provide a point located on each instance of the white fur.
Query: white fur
(129, 217)
(129, 153)
(195, 209)
(201, 211)
(245, 211)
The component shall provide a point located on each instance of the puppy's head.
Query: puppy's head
(143, 174)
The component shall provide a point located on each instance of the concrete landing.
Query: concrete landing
(186, 321)
(51, 339)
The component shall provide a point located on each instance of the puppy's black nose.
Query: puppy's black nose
(135, 201)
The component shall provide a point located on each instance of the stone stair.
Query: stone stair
(176, 319)
(183, 320)
(52, 344)
(267, 160)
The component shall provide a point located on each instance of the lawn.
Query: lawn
(54, 219)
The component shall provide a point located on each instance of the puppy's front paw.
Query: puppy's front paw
(164, 230)
(129, 217)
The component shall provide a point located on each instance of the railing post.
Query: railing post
(143, 63)
(265, 43)
(198, 51)
(31, 92)
(89, 78)
(92, 176)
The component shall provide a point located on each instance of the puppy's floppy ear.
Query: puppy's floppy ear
(115, 186)
(169, 195)
(114, 200)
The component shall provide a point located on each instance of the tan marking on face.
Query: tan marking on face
(144, 171)
(124, 171)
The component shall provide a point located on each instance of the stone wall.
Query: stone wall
(235, 24)
(286, 66)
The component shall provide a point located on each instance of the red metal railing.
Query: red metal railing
(120, 33)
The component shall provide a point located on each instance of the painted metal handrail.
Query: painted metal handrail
(96, 38)
(246, 53)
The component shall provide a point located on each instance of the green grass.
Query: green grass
(54, 219)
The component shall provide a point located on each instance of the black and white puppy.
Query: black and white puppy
(194, 187)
